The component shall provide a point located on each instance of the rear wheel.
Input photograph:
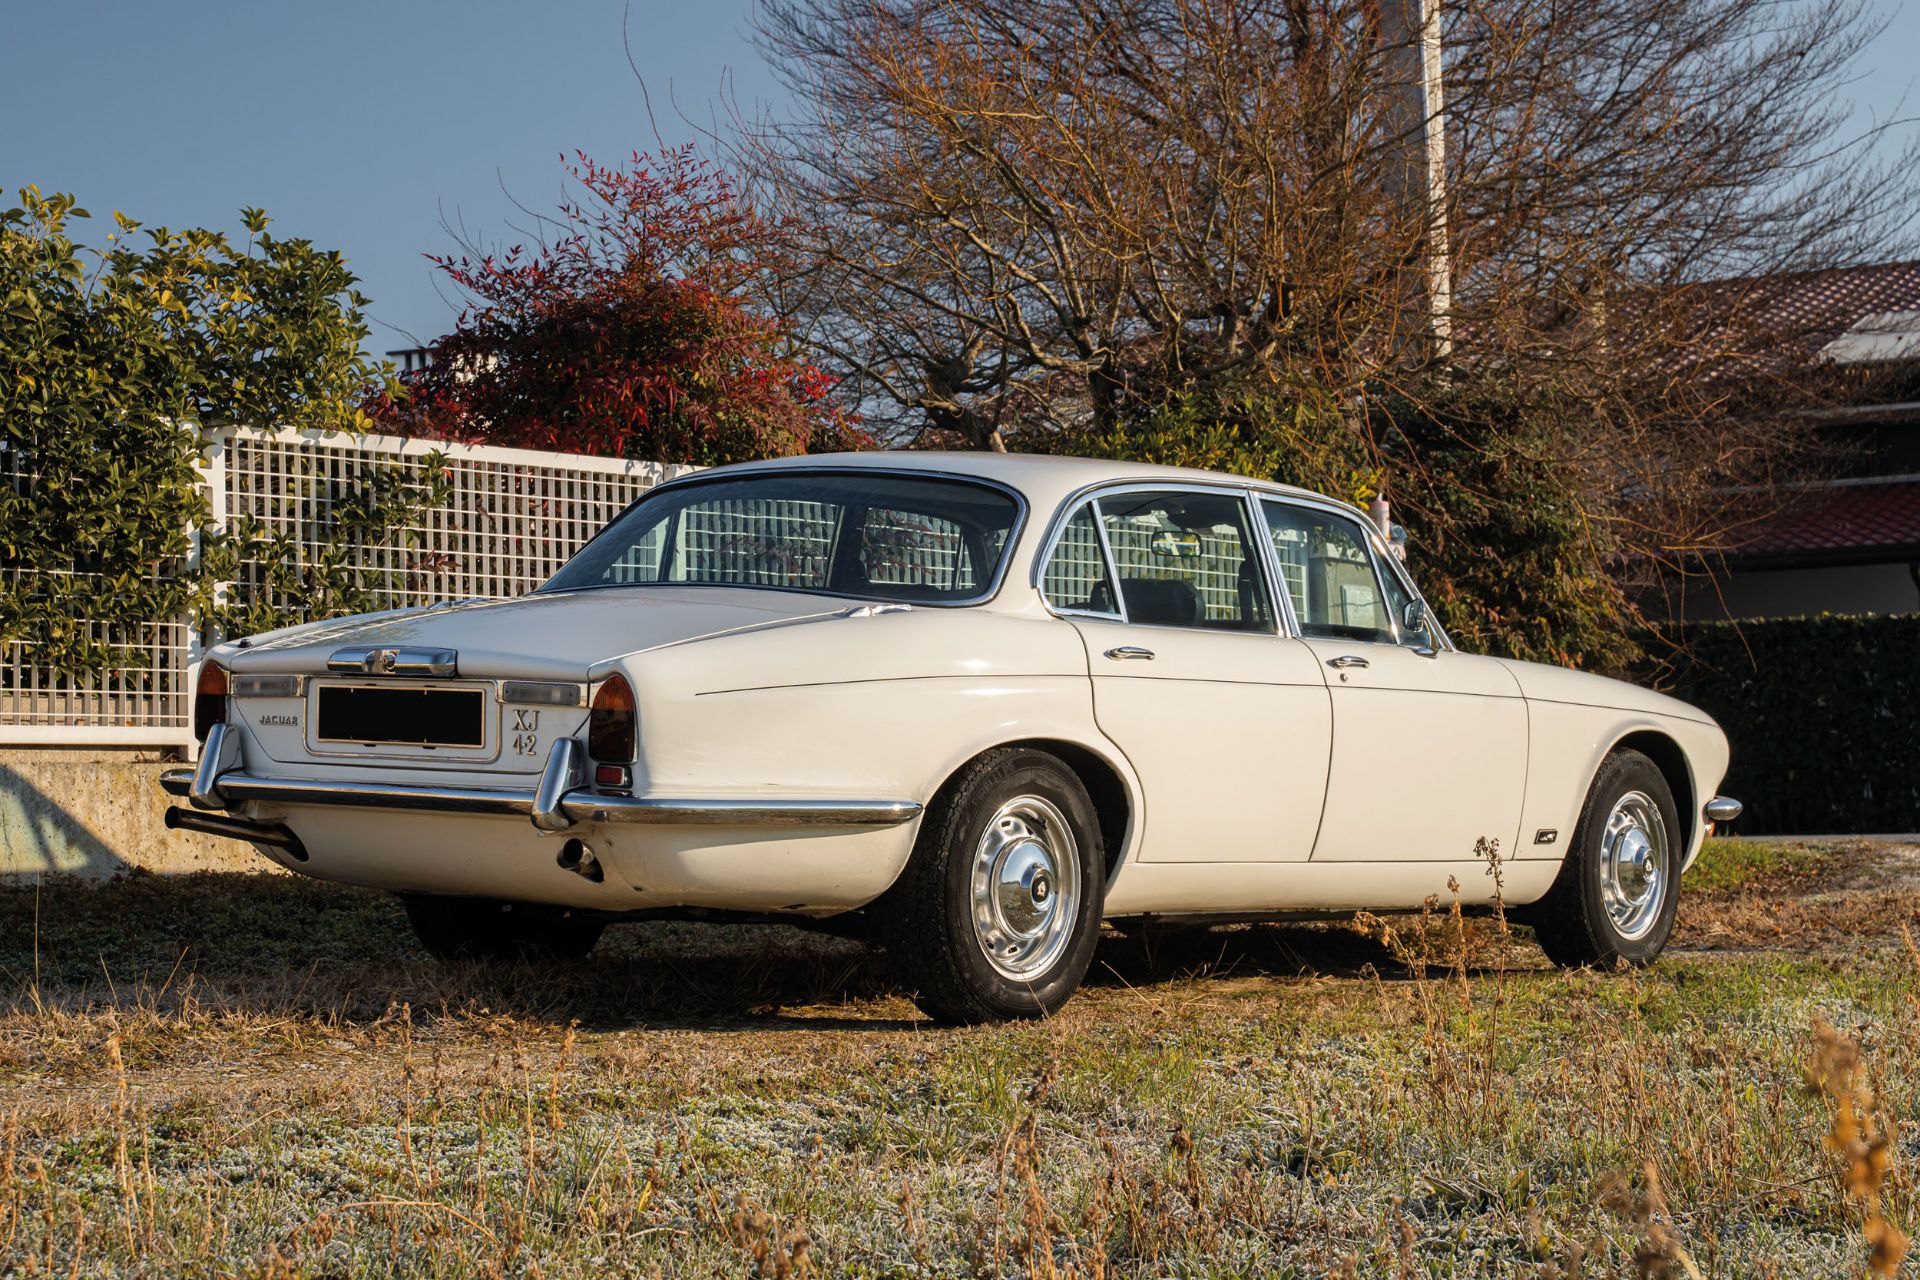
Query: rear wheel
(1619, 889)
(998, 911)
(454, 929)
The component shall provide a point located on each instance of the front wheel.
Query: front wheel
(454, 929)
(998, 911)
(1617, 893)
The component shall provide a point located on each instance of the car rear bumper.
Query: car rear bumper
(557, 803)
(580, 805)
(772, 854)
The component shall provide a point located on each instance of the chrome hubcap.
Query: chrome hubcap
(1635, 865)
(1026, 887)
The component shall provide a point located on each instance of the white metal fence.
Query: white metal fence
(512, 517)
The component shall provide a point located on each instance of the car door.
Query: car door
(1225, 720)
(1429, 744)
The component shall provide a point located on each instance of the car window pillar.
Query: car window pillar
(1108, 565)
(1269, 557)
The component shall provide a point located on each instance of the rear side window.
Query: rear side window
(1186, 559)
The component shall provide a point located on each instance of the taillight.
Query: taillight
(610, 723)
(209, 699)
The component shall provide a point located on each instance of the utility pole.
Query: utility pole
(1410, 39)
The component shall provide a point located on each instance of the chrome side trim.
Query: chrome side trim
(577, 805)
(1723, 809)
(588, 807)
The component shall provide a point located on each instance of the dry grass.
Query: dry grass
(1809, 898)
(261, 1076)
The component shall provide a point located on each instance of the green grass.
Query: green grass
(227, 1076)
(1727, 865)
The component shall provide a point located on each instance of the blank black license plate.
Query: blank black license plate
(401, 717)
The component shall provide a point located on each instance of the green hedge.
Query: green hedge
(108, 361)
(1821, 713)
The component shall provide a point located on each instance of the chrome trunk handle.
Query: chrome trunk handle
(1130, 651)
(1346, 660)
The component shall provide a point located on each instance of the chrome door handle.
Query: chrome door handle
(1348, 660)
(1127, 651)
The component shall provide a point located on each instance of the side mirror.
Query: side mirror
(1414, 617)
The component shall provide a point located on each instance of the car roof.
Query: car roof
(1045, 479)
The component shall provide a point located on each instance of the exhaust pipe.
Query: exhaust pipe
(272, 835)
(574, 856)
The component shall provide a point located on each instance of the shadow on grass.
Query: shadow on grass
(283, 945)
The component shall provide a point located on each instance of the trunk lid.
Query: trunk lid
(560, 636)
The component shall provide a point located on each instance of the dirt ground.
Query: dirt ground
(234, 1075)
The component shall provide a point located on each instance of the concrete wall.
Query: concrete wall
(96, 812)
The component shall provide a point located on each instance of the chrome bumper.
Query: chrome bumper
(556, 803)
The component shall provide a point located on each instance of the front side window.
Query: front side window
(1329, 574)
(869, 535)
(1185, 559)
(1398, 598)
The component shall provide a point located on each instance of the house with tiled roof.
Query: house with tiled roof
(1850, 541)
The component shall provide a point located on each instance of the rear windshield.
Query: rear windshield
(867, 535)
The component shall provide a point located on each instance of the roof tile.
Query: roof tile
(1854, 518)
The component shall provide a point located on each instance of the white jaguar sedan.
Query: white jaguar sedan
(969, 705)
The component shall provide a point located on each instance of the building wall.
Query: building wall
(1790, 593)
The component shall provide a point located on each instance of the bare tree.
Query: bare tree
(1023, 206)
(1026, 212)
(1039, 221)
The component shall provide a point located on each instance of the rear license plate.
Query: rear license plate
(386, 715)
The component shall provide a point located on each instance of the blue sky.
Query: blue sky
(361, 125)
(356, 124)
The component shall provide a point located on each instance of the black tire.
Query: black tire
(459, 929)
(1572, 922)
(925, 921)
